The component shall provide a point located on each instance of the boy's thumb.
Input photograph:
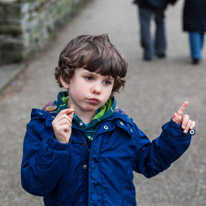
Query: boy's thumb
(72, 111)
(176, 118)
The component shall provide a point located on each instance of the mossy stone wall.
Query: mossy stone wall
(26, 26)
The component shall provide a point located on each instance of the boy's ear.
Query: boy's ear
(64, 84)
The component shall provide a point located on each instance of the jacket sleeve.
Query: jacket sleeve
(44, 159)
(156, 156)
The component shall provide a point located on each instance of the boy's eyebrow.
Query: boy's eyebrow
(96, 73)
(88, 72)
(108, 77)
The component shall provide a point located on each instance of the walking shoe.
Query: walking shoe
(147, 59)
(161, 56)
(195, 61)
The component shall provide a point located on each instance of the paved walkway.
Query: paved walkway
(154, 90)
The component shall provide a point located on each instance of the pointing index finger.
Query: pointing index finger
(182, 108)
(66, 111)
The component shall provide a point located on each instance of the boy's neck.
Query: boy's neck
(86, 117)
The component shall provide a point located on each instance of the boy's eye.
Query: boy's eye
(107, 82)
(89, 78)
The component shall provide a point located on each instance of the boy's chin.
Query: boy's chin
(92, 108)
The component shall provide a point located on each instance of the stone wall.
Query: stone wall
(27, 25)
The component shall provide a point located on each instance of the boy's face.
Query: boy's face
(88, 91)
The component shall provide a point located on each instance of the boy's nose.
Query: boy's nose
(96, 89)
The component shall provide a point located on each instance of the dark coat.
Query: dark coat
(194, 15)
(156, 4)
(72, 174)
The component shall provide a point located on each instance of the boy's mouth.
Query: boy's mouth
(93, 101)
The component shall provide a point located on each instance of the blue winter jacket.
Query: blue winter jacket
(73, 175)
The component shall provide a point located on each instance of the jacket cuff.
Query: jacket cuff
(178, 126)
(58, 145)
(175, 131)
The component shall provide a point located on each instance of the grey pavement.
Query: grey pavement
(8, 72)
(153, 92)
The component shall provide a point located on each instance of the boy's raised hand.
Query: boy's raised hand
(62, 125)
(183, 120)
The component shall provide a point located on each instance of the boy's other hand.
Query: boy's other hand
(62, 125)
(183, 120)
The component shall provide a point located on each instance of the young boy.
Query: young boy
(82, 149)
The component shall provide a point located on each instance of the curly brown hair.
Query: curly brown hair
(94, 53)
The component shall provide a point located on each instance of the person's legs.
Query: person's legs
(145, 33)
(160, 37)
(196, 40)
(202, 39)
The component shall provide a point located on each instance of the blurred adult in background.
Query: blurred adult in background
(194, 22)
(147, 10)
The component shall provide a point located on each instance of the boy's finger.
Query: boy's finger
(185, 121)
(177, 118)
(192, 126)
(66, 111)
(65, 121)
(181, 110)
(71, 108)
(70, 115)
(187, 127)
